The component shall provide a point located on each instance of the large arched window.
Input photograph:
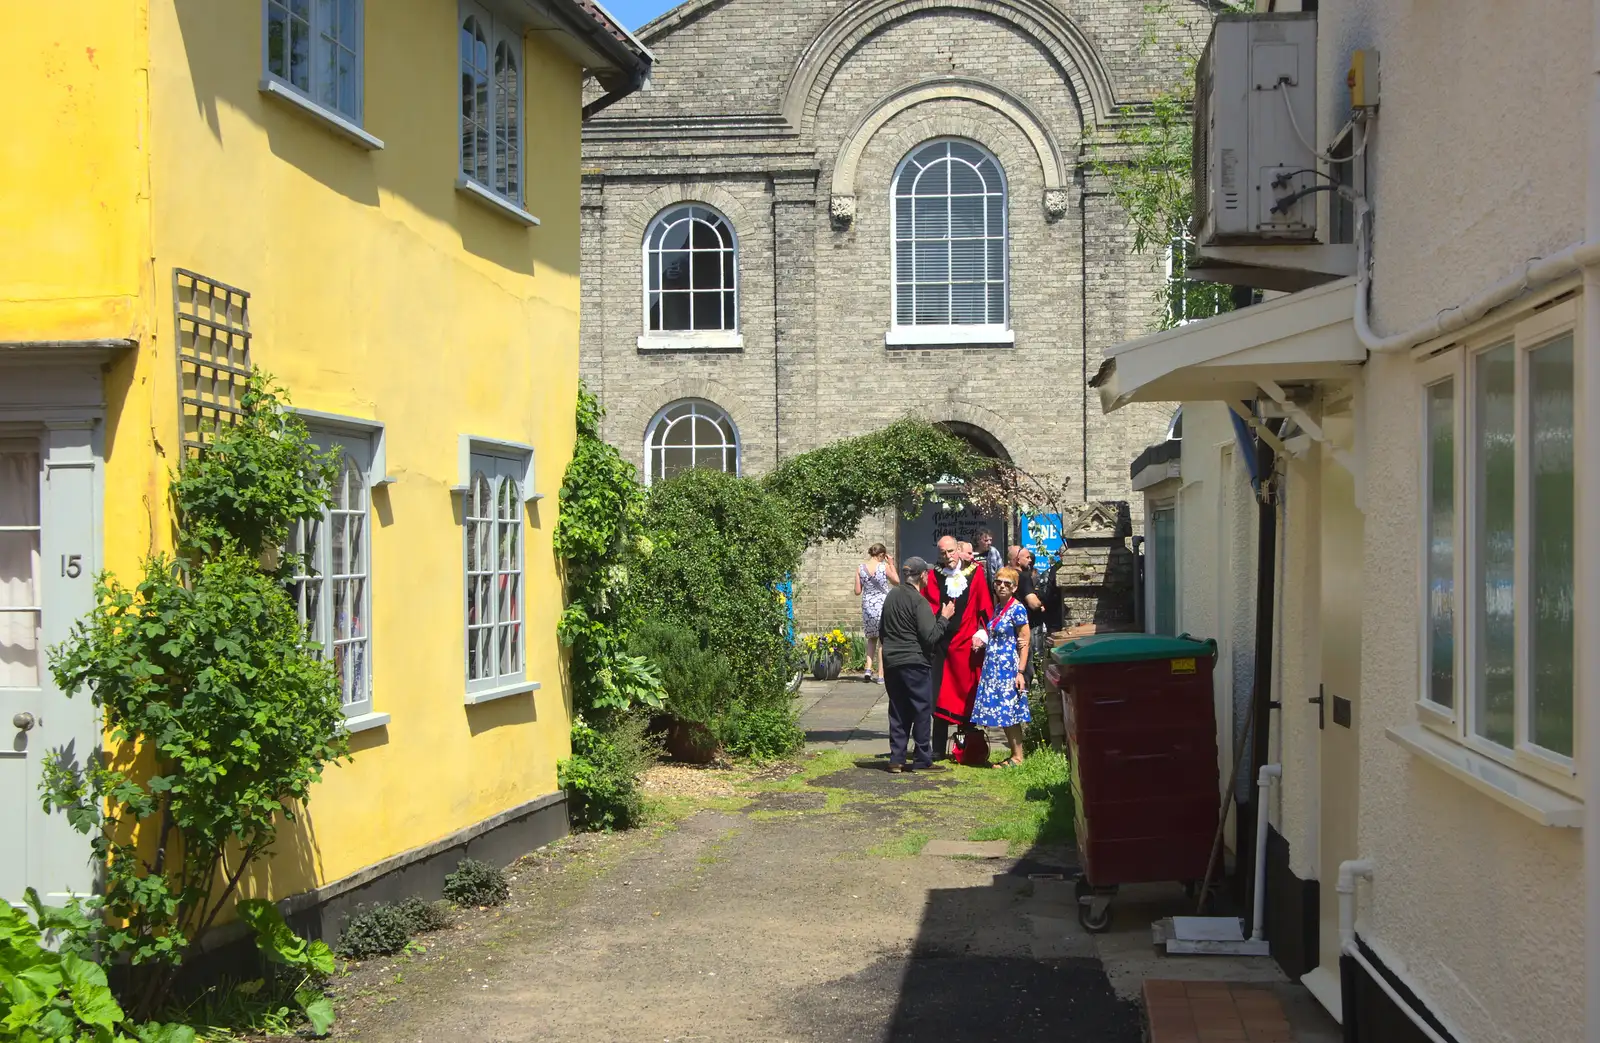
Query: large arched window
(689, 434)
(691, 271)
(949, 247)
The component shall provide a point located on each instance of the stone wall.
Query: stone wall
(771, 111)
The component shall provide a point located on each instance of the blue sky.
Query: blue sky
(634, 13)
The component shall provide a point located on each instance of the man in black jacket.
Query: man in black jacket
(910, 636)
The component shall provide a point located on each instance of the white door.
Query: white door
(48, 557)
(1339, 753)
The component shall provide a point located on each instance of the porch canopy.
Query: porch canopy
(1303, 337)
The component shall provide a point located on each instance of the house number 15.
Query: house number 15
(72, 565)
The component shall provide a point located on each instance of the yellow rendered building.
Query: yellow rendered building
(377, 204)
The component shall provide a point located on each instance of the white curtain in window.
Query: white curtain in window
(19, 567)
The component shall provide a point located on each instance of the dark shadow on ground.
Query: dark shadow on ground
(1007, 961)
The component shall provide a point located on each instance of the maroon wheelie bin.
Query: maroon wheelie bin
(1141, 733)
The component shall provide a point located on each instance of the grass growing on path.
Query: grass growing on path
(1033, 801)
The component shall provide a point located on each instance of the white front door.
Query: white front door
(49, 552)
(1339, 752)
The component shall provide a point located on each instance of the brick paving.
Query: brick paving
(1214, 1012)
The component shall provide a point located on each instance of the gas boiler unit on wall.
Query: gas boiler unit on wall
(1255, 113)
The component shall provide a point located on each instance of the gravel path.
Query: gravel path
(793, 911)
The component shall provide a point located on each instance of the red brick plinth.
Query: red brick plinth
(1214, 1012)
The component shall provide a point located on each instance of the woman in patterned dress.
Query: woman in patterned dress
(873, 577)
(1002, 699)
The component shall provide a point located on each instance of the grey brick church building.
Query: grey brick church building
(825, 214)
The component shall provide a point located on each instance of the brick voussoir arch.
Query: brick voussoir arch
(631, 427)
(950, 88)
(995, 425)
(640, 214)
(1071, 48)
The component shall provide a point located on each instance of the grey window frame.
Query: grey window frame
(312, 92)
(497, 469)
(363, 448)
(499, 31)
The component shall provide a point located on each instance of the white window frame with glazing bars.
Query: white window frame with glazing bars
(727, 336)
(1480, 757)
(699, 408)
(913, 333)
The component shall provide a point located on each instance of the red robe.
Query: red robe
(958, 680)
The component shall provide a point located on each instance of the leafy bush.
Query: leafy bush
(721, 543)
(422, 917)
(599, 541)
(46, 994)
(831, 489)
(602, 775)
(762, 731)
(476, 883)
(379, 930)
(310, 962)
(204, 669)
(698, 682)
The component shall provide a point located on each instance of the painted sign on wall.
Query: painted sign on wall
(1041, 533)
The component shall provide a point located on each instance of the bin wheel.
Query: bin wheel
(1092, 923)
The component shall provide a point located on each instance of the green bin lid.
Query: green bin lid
(1128, 648)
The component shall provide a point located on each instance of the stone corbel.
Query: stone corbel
(842, 211)
(1056, 204)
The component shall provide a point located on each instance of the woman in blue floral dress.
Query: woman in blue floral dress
(1002, 700)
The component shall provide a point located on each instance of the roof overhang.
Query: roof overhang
(1302, 338)
(592, 36)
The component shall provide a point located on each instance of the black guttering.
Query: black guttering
(630, 60)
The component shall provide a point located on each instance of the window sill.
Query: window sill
(692, 340)
(365, 722)
(503, 692)
(1541, 803)
(327, 117)
(949, 336)
(498, 203)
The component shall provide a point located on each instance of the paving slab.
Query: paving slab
(967, 848)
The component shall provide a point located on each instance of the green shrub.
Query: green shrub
(602, 775)
(720, 544)
(379, 930)
(1036, 733)
(698, 682)
(476, 883)
(761, 732)
(421, 917)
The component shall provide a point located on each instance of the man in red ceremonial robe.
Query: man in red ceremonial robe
(958, 578)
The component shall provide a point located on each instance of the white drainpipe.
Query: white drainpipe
(1349, 873)
(1263, 787)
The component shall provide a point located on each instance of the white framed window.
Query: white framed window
(490, 54)
(314, 48)
(948, 251)
(332, 585)
(496, 639)
(21, 579)
(1498, 482)
(690, 433)
(691, 271)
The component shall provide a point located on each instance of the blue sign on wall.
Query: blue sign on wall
(1041, 533)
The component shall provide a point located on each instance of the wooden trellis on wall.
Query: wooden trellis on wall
(212, 320)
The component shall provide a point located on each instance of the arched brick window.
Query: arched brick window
(949, 247)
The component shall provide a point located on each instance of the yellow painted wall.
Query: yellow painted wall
(73, 221)
(378, 291)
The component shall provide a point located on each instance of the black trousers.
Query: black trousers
(910, 691)
(941, 727)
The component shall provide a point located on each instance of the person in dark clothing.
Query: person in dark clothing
(911, 637)
(1028, 594)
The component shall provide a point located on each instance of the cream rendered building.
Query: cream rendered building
(1435, 554)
